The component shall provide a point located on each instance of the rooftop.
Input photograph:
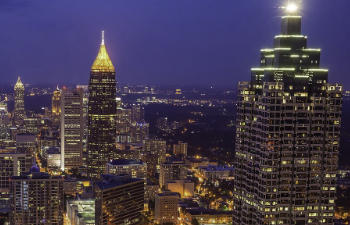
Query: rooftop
(117, 162)
(110, 181)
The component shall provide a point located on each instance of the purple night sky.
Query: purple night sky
(181, 42)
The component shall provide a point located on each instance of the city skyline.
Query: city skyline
(157, 42)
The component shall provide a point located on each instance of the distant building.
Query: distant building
(102, 108)
(217, 172)
(72, 128)
(19, 111)
(154, 155)
(166, 208)
(81, 211)
(184, 187)
(180, 148)
(56, 105)
(133, 168)
(119, 200)
(12, 163)
(131, 127)
(31, 125)
(37, 198)
(27, 143)
(172, 170)
(178, 91)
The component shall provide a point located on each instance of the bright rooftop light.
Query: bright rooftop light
(292, 8)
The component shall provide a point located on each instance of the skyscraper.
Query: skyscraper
(101, 113)
(56, 104)
(72, 128)
(287, 137)
(19, 112)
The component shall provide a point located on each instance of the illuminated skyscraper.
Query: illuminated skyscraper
(101, 113)
(56, 104)
(287, 139)
(72, 128)
(19, 112)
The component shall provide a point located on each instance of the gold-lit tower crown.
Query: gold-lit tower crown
(19, 84)
(102, 62)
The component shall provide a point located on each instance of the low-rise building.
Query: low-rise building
(184, 187)
(217, 172)
(81, 211)
(208, 216)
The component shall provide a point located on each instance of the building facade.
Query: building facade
(133, 168)
(119, 200)
(180, 148)
(101, 113)
(287, 137)
(13, 162)
(37, 198)
(19, 112)
(72, 128)
(154, 155)
(166, 208)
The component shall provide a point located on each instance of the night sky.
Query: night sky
(177, 42)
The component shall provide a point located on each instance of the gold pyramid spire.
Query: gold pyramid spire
(19, 84)
(102, 62)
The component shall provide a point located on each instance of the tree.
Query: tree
(195, 222)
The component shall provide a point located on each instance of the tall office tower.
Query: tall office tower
(37, 198)
(166, 208)
(119, 200)
(56, 104)
(287, 140)
(102, 113)
(72, 128)
(13, 162)
(19, 112)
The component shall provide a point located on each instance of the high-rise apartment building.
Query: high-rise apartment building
(13, 162)
(72, 128)
(119, 200)
(19, 112)
(37, 198)
(101, 113)
(287, 140)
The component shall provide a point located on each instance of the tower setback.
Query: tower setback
(287, 137)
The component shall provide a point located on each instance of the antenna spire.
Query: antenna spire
(103, 38)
